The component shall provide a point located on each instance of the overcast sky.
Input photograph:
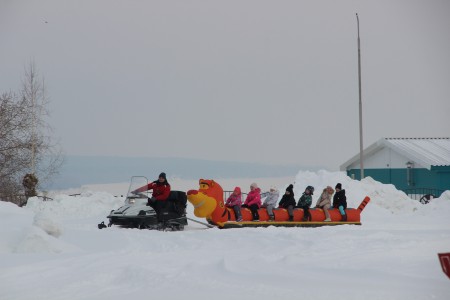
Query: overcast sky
(257, 81)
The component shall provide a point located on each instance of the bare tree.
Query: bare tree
(27, 149)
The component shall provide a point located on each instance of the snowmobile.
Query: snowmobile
(138, 213)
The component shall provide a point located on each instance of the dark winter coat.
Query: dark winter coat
(288, 200)
(305, 200)
(340, 199)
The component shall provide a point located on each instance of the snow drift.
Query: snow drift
(53, 250)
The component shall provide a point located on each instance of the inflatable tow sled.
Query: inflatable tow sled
(208, 203)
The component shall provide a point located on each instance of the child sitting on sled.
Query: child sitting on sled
(340, 201)
(235, 202)
(288, 201)
(324, 202)
(253, 201)
(271, 201)
(305, 203)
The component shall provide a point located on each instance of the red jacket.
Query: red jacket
(161, 191)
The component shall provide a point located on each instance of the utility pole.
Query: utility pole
(361, 156)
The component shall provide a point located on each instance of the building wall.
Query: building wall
(388, 166)
(421, 178)
(443, 176)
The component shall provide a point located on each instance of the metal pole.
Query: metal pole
(361, 157)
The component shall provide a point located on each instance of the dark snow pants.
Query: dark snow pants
(306, 214)
(254, 209)
(159, 207)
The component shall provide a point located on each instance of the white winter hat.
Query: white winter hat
(254, 185)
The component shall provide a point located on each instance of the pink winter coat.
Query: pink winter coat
(234, 200)
(254, 197)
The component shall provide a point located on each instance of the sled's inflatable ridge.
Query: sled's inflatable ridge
(208, 203)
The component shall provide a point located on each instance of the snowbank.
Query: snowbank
(56, 248)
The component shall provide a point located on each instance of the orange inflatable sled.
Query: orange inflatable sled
(208, 203)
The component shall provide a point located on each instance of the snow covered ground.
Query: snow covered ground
(53, 250)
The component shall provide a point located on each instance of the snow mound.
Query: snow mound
(438, 206)
(445, 196)
(388, 197)
(87, 204)
(50, 224)
(37, 240)
(14, 224)
(24, 232)
(383, 195)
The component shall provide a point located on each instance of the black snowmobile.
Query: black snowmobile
(138, 213)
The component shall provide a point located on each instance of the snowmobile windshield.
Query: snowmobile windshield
(136, 183)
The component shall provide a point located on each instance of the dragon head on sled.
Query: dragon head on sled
(208, 200)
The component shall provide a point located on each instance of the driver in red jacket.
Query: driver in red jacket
(161, 191)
